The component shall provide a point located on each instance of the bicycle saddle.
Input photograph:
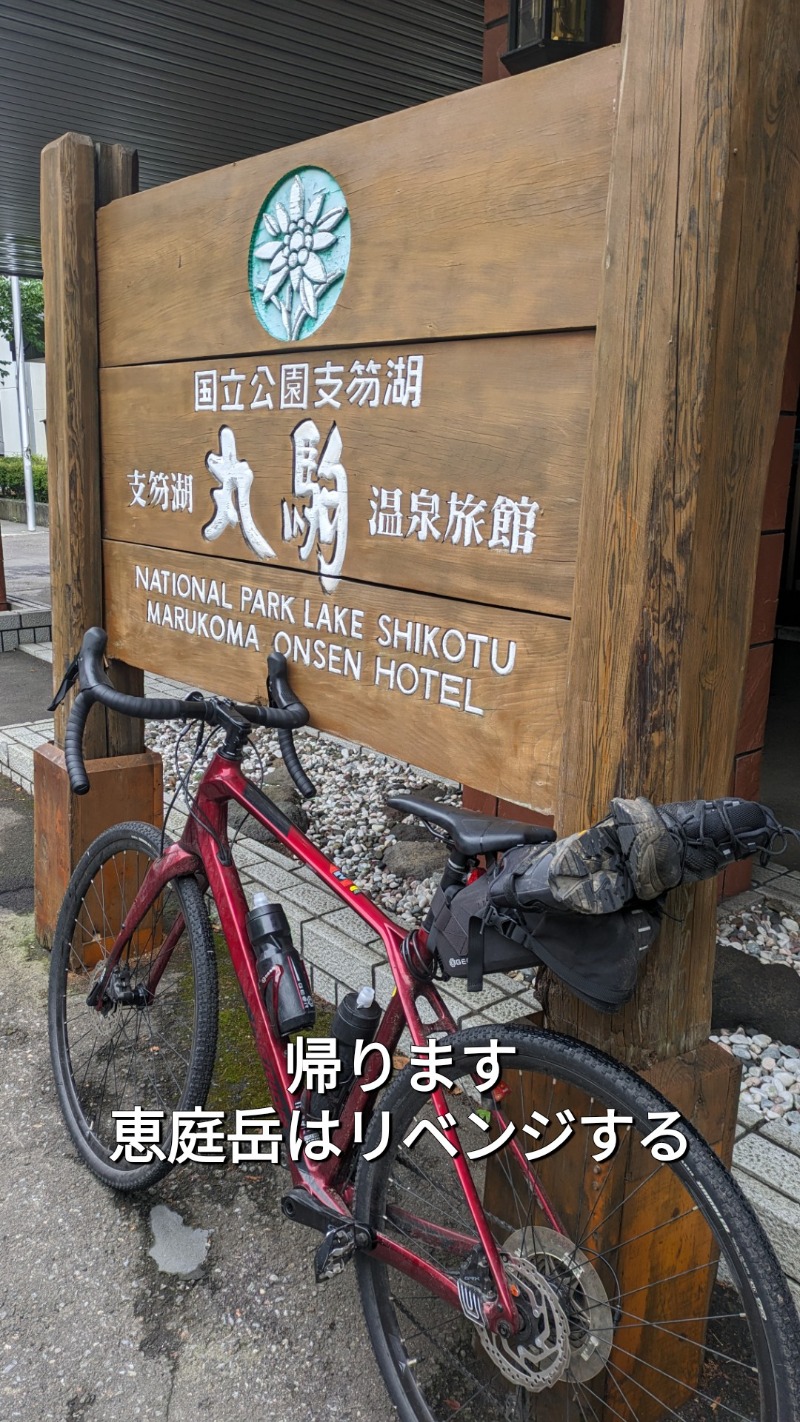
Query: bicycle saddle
(471, 832)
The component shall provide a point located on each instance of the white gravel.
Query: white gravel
(770, 1069)
(763, 932)
(348, 818)
(349, 821)
(770, 1073)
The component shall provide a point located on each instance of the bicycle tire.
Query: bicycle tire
(434, 1361)
(158, 1056)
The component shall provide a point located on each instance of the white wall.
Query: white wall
(9, 415)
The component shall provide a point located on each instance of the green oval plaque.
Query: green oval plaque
(299, 253)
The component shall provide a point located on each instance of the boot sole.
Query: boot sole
(598, 883)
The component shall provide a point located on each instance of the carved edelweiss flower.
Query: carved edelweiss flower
(296, 238)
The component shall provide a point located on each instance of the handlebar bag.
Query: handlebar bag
(597, 958)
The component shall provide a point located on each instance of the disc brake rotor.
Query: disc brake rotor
(579, 1290)
(537, 1360)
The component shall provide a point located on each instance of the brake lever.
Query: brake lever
(70, 678)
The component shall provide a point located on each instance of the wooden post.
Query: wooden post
(694, 318)
(67, 198)
(695, 311)
(121, 788)
(76, 178)
(117, 175)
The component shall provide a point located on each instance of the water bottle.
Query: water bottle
(271, 940)
(355, 1020)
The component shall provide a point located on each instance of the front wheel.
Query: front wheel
(150, 1051)
(648, 1288)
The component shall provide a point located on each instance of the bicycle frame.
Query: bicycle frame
(204, 850)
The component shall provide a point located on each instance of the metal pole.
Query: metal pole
(22, 404)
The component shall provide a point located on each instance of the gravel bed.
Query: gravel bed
(763, 932)
(770, 1069)
(770, 1073)
(351, 823)
(348, 818)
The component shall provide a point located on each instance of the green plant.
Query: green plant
(32, 301)
(12, 478)
(238, 1083)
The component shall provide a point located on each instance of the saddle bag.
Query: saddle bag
(597, 958)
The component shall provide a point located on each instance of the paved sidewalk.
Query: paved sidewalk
(26, 557)
(26, 561)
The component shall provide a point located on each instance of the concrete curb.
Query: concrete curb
(15, 511)
(24, 625)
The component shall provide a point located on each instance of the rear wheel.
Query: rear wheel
(155, 1054)
(649, 1288)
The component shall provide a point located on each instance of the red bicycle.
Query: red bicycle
(498, 1281)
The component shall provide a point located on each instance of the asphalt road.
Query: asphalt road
(26, 688)
(27, 563)
(91, 1331)
(16, 846)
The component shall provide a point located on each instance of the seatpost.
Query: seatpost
(454, 872)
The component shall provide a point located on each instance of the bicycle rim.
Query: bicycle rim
(660, 1295)
(155, 1055)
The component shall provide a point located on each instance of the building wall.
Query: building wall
(746, 777)
(495, 39)
(9, 415)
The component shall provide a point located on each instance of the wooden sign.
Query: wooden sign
(441, 683)
(313, 438)
(458, 479)
(479, 213)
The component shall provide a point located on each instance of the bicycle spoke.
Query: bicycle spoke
(668, 1410)
(631, 1411)
(621, 1204)
(132, 1055)
(667, 1279)
(580, 1404)
(643, 1358)
(704, 1346)
(704, 1397)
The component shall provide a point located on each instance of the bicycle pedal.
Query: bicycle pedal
(338, 1247)
(334, 1253)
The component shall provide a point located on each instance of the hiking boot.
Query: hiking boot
(638, 851)
(631, 854)
(650, 847)
(713, 833)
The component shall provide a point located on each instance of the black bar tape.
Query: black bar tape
(291, 760)
(296, 714)
(73, 743)
(281, 695)
(284, 712)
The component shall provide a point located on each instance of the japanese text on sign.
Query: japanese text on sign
(298, 385)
